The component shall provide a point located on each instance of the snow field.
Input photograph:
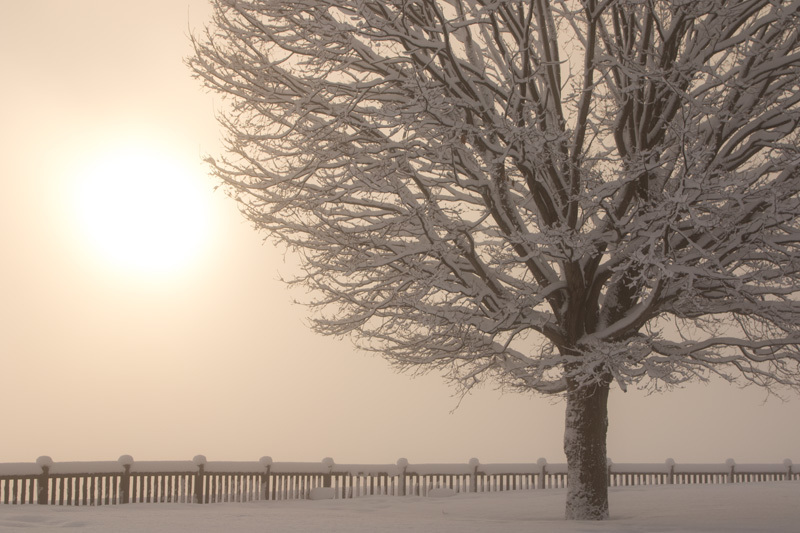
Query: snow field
(752, 507)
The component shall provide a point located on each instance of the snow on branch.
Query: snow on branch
(529, 191)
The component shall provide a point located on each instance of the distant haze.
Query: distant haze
(207, 354)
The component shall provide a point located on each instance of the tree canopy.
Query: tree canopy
(551, 193)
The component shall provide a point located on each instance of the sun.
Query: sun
(143, 210)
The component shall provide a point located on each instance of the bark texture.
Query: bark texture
(585, 447)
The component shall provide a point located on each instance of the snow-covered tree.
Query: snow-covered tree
(558, 195)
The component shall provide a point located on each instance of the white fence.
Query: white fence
(200, 481)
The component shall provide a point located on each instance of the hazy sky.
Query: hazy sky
(142, 315)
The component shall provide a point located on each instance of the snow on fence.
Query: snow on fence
(199, 481)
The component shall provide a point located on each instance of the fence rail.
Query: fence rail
(199, 481)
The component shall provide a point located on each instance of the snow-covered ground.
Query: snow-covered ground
(755, 507)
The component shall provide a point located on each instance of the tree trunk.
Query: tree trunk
(585, 447)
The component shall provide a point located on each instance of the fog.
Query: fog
(102, 358)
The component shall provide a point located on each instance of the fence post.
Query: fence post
(326, 478)
(402, 466)
(609, 463)
(542, 462)
(671, 471)
(125, 481)
(474, 463)
(43, 491)
(788, 464)
(266, 462)
(731, 470)
(199, 493)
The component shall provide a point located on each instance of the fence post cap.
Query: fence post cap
(670, 462)
(328, 462)
(474, 462)
(730, 462)
(541, 461)
(787, 462)
(402, 462)
(125, 460)
(609, 462)
(266, 461)
(199, 460)
(44, 461)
